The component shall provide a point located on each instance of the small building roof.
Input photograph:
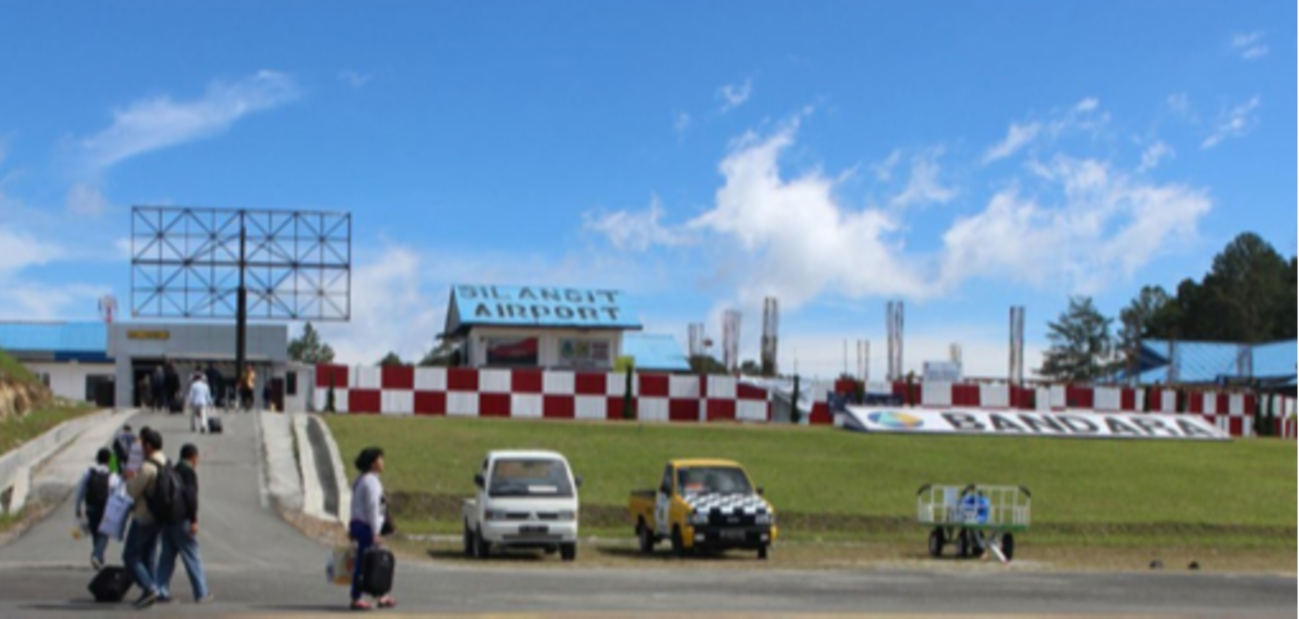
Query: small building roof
(1206, 362)
(85, 341)
(537, 306)
(655, 352)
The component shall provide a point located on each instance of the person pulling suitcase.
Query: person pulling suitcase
(373, 573)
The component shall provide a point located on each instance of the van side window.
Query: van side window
(667, 477)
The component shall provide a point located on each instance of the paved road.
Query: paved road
(258, 564)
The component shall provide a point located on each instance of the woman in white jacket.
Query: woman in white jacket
(369, 510)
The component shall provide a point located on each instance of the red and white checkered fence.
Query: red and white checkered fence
(536, 394)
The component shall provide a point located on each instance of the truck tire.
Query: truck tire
(678, 544)
(763, 552)
(481, 546)
(469, 541)
(936, 541)
(568, 552)
(646, 538)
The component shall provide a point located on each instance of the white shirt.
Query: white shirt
(367, 502)
(199, 394)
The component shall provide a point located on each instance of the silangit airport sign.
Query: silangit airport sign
(1074, 424)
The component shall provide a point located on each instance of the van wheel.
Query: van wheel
(481, 546)
(469, 541)
(646, 538)
(678, 544)
(762, 552)
(568, 552)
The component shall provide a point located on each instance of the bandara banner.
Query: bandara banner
(1072, 424)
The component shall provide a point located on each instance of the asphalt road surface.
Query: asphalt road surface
(257, 564)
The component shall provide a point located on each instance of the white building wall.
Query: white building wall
(67, 379)
(547, 340)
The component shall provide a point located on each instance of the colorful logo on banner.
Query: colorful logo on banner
(896, 421)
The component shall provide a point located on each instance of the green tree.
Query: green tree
(309, 348)
(1081, 345)
(446, 354)
(750, 368)
(390, 359)
(706, 364)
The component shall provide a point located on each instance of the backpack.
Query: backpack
(97, 491)
(167, 502)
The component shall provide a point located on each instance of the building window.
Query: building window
(512, 352)
(584, 353)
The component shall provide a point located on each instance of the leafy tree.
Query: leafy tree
(750, 368)
(309, 348)
(446, 354)
(706, 364)
(390, 359)
(1081, 346)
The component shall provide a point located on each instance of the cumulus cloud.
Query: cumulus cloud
(160, 122)
(884, 169)
(1249, 45)
(1154, 154)
(635, 231)
(86, 200)
(924, 185)
(1017, 137)
(1234, 123)
(393, 309)
(735, 95)
(1084, 116)
(23, 250)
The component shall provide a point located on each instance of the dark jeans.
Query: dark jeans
(364, 536)
(176, 540)
(140, 555)
(101, 546)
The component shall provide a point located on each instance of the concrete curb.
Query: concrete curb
(313, 500)
(16, 466)
(340, 472)
(283, 479)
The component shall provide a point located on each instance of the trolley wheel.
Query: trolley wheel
(1008, 546)
(964, 545)
(936, 541)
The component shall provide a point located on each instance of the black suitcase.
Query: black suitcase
(110, 584)
(214, 425)
(377, 567)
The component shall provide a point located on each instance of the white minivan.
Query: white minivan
(526, 499)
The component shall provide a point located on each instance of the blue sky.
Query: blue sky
(962, 157)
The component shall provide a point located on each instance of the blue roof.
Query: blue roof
(58, 338)
(537, 306)
(1205, 362)
(655, 351)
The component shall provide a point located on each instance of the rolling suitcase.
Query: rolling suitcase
(377, 567)
(110, 584)
(214, 425)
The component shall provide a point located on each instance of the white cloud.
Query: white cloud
(23, 250)
(1081, 117)
(1105, 226)
(1235, 123)
(392, 310)
(86, 201)
(794, 236)
(1154, 154)
(635, 231)
(1249, 45)
(25, 300)
(985, 353)
(734, 95)
(884, 169)
(354, 79)
(924, 186)
(161, 122)
(1179, 103)
(681, 123)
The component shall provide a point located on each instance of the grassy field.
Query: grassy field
(835, 485)
(15, 431)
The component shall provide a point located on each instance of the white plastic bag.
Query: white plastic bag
(116, 512)
(342, 562)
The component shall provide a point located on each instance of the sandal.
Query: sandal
(361, 605)
(387, 602)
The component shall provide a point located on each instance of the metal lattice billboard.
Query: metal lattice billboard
(192, 263)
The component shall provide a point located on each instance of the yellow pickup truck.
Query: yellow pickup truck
(704, 505)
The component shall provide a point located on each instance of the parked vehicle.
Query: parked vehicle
(525, 499)
(708, 505)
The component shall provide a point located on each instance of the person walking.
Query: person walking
(140, 554)
(200, 400)
(122, 443)
(214, 383)
(181, 538)
(96, 486)
(158, 383)
(171, 387)
(369, 511)
(246, 384)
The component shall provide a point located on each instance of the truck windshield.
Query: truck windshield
(530, 477)
(713, 480)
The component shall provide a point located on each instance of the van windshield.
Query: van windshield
(530, 477)
(713, 480)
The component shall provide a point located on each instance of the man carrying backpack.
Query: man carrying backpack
(182, 537)
(122, 447)
(92, 498)
(158, 492)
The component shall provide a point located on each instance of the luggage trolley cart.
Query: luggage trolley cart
(974, 517)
